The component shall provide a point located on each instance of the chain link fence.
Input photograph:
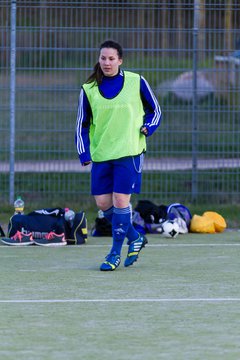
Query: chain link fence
(189, 51)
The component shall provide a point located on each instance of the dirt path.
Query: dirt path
(150, 164)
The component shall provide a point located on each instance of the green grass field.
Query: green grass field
(180, 301)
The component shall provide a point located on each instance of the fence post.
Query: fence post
(195, 104)
(12, 101)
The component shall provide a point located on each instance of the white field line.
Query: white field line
(192, 245)
(132, 300)
(173, 245)
(85, 247)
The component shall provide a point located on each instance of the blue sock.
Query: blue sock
(108, 214)
(121, 219)
(132, 233)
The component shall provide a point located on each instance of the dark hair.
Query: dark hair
(97, 73)
(114, 45)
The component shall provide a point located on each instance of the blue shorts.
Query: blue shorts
(121, 176)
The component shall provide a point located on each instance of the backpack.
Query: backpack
(150, 212)
(102, 227)
(43, 221)
(177, 210)
(76, 234)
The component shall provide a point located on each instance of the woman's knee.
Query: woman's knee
(121, 200)
(104, 202)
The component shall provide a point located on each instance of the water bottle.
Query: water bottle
(100, 214)
(19, 206)
(69, 216)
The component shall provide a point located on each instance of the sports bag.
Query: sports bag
(39, 222)
(43, 221)
(148, 217)
(2, 233)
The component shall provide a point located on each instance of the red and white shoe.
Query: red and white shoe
(19, 239)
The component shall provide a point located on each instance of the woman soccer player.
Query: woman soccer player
(117, 110)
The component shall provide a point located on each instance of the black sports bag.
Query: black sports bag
(43, 221)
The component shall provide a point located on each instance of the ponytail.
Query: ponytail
(96, 75)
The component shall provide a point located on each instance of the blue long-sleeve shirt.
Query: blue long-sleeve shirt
(109, 88)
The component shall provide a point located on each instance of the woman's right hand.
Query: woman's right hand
(86, 163)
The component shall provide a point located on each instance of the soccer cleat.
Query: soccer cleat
(19, 239)
(134, 249)
(111, 263)
(51, 239)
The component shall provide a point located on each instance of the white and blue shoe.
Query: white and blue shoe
(134, 249)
